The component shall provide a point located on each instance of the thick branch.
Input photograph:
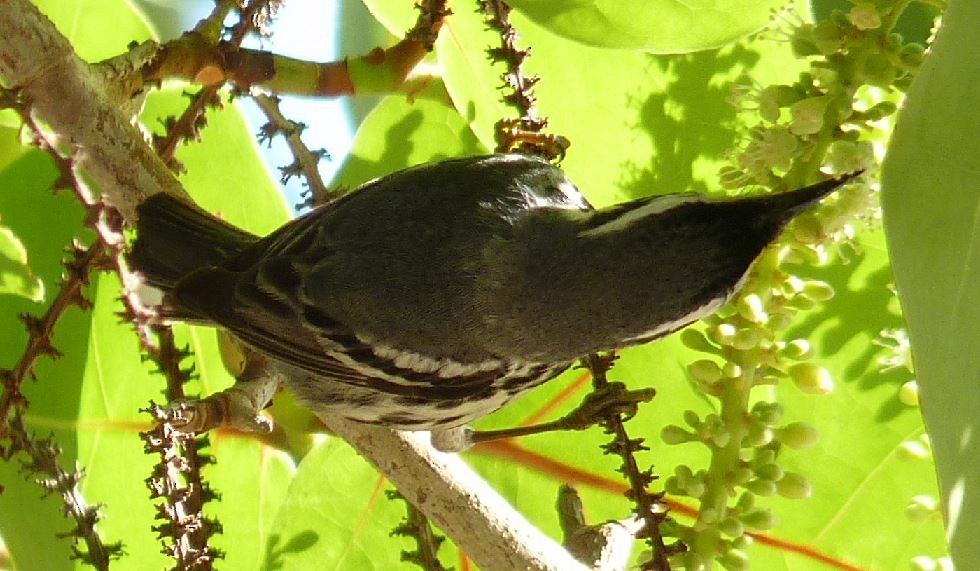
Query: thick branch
(65, 94)
(441, 485)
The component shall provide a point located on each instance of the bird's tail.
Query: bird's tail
(174, 238)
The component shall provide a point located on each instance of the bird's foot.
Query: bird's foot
(612, 398)
(239, 406)
(232, 408)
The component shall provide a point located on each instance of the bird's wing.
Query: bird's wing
(264, 309)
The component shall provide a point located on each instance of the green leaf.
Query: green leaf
(931, 205)
(336, 516)
(85, 23)
(9, 119)
(115, 385)
(225, 172)
(397, 134)
(252, 480)
(659, 26)
(15, 275)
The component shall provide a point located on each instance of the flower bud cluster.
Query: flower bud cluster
(755, 471)
(744, 351)
(826, 121)
(728, 533)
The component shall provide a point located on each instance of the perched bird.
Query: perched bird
(435, 295)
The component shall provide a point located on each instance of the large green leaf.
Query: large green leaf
(85, 23)
(398, 134)
(660, 26)
(115, 386)
(253, 480)
(932, 218)
(336, 516)
(225, 172)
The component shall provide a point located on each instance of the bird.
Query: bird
(435, 295)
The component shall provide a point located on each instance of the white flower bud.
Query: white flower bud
(746, 339)
(812, 379)
(921, 508)
(735, 560)
(798, 435)
(724, 333)
(908, 393)
(797, 349)
(761, 487)
(818, 290)
(794, 486)
(864, 16)
(673, 434)
(770, 471)
(731, 370)
(704, 371)
(758, 519)
(732, 527)
(751, 308)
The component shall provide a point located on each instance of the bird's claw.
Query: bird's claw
(190, 416)
(612, 398)
(231, 408)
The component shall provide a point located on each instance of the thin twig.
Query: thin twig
(39, 329)
(305, 161)
(43, 455)
(427, 542)
(253, 17)
(525, 134)
(649, 506)
(186, 127)
(176, 478)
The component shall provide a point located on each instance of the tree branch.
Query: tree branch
(70, 98)
(481, 523)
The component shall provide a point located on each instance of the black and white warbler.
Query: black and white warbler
(435, 295)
